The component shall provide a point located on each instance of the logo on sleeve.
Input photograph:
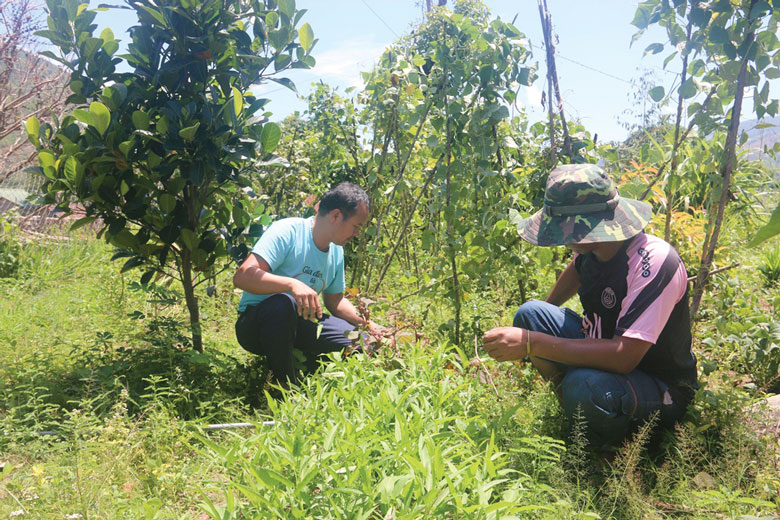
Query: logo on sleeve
(608, 298)
(645, 254)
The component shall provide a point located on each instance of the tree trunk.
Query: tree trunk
(729, 155)
(192, 301)
(552, 85)
(450, 225)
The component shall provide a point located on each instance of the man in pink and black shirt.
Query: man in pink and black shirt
(629, 356)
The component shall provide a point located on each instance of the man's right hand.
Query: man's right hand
(307, 300)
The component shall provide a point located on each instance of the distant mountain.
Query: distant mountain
(762, 136)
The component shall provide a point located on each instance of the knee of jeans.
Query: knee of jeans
(588, 393)
(523, 316)
(281, 310)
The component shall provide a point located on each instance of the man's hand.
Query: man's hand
(506, 343)
(308, 300)
(377, 330)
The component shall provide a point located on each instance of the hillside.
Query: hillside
(761, 139)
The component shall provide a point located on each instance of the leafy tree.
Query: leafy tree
(160, 153)
(725, 47)
(439, 102)
(29, 85)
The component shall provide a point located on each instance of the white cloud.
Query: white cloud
(342, 64)
(531, 95)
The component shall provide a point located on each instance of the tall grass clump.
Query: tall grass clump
(387, 437)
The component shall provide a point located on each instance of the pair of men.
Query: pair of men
(626, 360)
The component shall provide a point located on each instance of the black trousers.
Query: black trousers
(272, 328)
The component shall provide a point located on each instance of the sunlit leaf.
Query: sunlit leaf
(32, 126)
(306, 36)
(101, 117)
(270, 137)
(188, 134)
(771, 228)
(238, 101)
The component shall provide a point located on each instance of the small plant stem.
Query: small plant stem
(677, 141)
(15, 499)
(409, 217)
(484, 368)
(727, 166)
(718, 270)
(661, 170)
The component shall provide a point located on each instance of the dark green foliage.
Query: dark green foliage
(160, 154)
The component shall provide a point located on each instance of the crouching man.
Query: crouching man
(629, 356)
(293, 262)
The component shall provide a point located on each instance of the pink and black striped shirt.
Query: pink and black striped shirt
(642, 293)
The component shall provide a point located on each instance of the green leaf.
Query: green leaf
(654, 48)
(188, 134)
(287, 82)
(657, 93)
(141, 120)
(46, 159)
(287, 7)
(71, 168)
(33, 126)
(759, 8)
(83, 116)
(162, 125)
(101, 117)
(167, 202)
(157, 15)
(771, 228)
(107, 35)
(270, 137)
(82, 222)
(688, 89)
(669, 58)
(126, 146)
(189, 238)
(719, 35)
(306, 35)
(238, 101)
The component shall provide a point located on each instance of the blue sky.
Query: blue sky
(596, 64)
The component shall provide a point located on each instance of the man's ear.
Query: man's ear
(336, 213)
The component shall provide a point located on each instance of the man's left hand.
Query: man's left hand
(506, 343)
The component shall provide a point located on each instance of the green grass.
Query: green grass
(94, 360)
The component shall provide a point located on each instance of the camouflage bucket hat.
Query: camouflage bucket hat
(582, 206)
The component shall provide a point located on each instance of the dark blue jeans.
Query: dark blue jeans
(272, 328)
(612, 406)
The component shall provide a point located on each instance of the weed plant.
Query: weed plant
(101, 398)
(770, 267)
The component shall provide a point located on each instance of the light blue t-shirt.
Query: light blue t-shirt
(288, 247)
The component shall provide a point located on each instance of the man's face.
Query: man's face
(347, 229)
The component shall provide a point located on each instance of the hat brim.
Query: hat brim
(628, 219)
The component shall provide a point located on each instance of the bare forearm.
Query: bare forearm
(344, 309)
(257, 281)
(565, 287)
(619, 355)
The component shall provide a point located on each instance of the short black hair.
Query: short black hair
(346, 197)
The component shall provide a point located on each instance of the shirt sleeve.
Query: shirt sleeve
(654, 287)
(337, 285)
(274, 244)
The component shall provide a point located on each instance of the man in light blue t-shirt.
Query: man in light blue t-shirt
(294, 262)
